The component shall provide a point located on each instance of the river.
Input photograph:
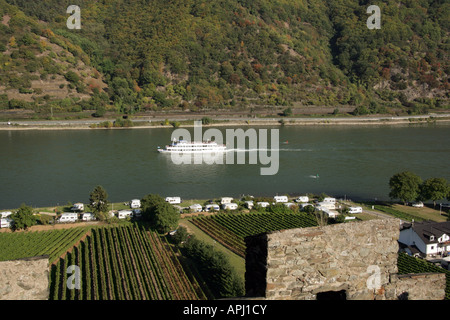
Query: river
(53, 167)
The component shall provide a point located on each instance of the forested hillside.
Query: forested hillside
(197, 54)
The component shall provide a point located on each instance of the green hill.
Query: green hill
(43, 72)
(229, 54)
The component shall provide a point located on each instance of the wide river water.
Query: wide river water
(46, 168)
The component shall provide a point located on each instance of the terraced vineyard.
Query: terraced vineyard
(231, 229)
(124, 263)
(54, 243)
(407, 264)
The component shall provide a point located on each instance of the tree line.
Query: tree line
(408, 186)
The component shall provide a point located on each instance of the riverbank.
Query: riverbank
(149, 123)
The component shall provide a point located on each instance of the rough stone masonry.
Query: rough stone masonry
(304, 263)
(24, 279)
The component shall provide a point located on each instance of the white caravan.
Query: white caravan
(135, 204)
(68, 217)
(279, 199)
(173, 200)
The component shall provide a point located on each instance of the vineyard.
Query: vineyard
(231, 229)
(53, 243)
(124, 263)
(407, 264)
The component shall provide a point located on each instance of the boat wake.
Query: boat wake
(263, 149)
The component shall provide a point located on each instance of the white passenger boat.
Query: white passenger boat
(183, 146)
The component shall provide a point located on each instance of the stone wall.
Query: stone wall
(24, 279)
(418, 286)
(357, 258)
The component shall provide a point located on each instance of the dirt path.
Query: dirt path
(57, 226)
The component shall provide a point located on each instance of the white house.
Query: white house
(173, 200)
(229, 206)
(77, 207)
(135, 204)
(429, 237)
(279, 199)
(225, 200)
(5, 214)
(302, 199)
(263, 204)
(123, 214)
(196, 207)
(210, 207)
(68, 217)
(88, 216)
(6, 223)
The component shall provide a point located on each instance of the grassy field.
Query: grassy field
(235, 260)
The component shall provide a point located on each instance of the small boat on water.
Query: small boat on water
(183, 146)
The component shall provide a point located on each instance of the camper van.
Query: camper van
(229, 206)
(263, 204)
(326, 205)
(210, 207)
(135, 204)
(123, 214)
(68, 217)
(279, 199)
(355, 210)
(77, 207)
(302, 199)
(173, 200)
(249, 204)
(88, 216)
(329, 200)
(137, 213)
(226, 200)
(5, 223)
(5, 214)
(196, 207)
(289, 204)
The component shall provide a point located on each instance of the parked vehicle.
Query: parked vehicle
(263, 204)
(5, 214)
(210, 207)
(88, 216)
(418, 204)
(229, 206)
(302, 199)
(249, 204)
(77, 207)
(68, 217)
(123, 214)
(196, 207)
(226, 200)
(329, 200)
(135, 204)
(137, 213)
(6, 223)
(355, 210)
(279, 199)
(173, 200)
